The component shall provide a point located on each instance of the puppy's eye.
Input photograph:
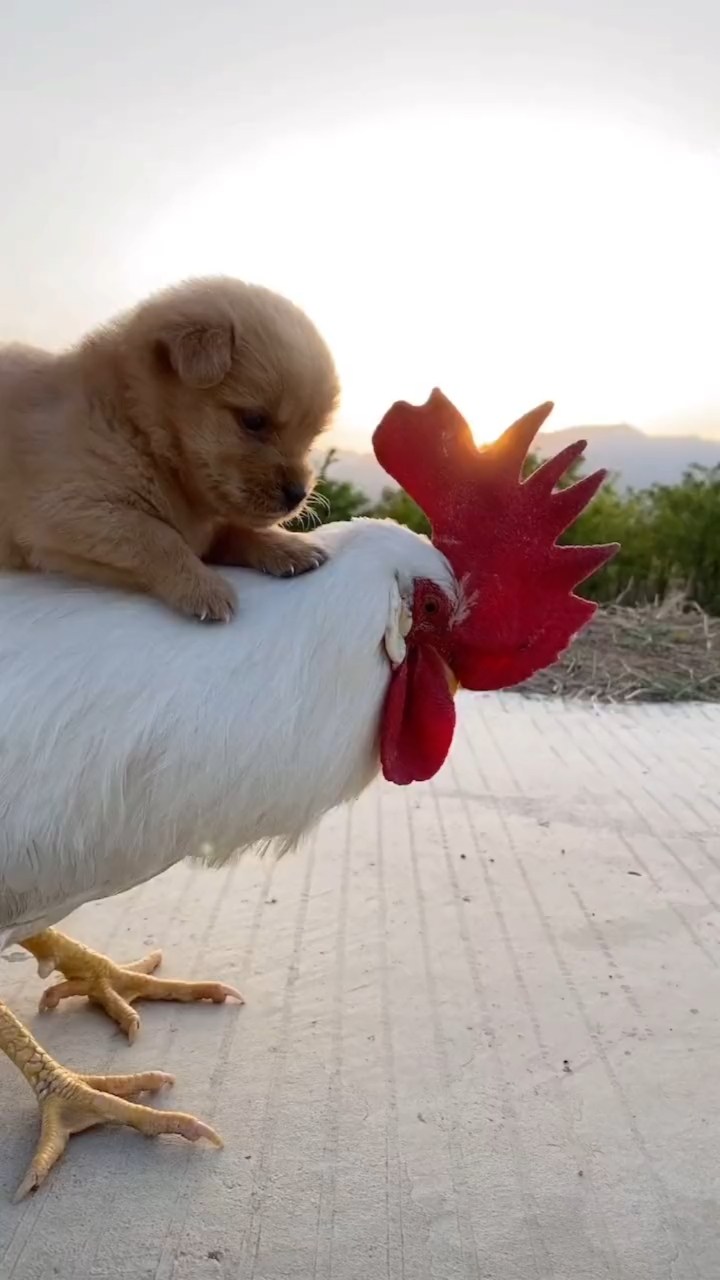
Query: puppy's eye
(252, 420)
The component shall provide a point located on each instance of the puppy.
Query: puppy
(176, 436)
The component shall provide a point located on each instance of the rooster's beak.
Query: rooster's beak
(453, 683)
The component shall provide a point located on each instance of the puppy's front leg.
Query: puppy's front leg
(274, 551)
(122, 547)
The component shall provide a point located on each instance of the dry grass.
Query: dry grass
(658, 653)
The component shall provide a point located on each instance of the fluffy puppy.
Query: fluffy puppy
(175, 436)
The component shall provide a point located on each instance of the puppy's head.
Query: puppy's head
(236, 385)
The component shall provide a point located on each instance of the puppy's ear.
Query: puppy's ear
(202, 355)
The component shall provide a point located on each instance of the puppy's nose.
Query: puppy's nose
(294, 495)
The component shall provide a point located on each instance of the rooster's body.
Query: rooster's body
(131, 739)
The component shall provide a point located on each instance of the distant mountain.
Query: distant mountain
(637, 459)
(360, 469)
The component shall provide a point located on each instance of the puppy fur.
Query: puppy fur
(174, 438)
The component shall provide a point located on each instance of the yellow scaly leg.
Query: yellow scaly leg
(70, 1101)
(111, 985)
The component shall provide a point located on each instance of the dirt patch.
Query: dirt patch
(659, 653)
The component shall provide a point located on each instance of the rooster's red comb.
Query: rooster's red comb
(518, 610)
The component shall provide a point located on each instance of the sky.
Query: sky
(515, 201)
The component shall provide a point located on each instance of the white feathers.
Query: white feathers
(130, 738)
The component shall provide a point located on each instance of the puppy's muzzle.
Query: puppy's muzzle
(293, 496)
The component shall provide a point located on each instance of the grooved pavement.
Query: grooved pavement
(482, 1036)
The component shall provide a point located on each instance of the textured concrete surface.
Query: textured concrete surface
(482, 1036)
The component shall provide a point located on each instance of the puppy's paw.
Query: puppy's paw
(286, 555)
(206, 596)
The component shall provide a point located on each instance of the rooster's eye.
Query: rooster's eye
(431, 605)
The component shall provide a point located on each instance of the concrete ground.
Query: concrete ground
(482, 1036)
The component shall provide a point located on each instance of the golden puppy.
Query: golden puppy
(177, 434)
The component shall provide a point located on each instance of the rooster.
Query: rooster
(131, 739)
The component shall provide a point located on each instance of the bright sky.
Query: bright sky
(508, 259)
(515, 206)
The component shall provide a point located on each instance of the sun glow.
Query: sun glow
(507, 259)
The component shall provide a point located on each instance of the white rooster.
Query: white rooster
(130, 739)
